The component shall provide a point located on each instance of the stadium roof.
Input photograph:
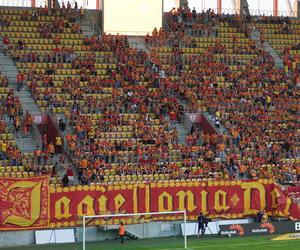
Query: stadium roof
(256, 7)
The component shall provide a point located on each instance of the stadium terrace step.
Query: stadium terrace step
(132, 231)
(88, 31)
(131, 236)
(27, 144)
(182, 131)
(138, 43)
(7, 67)
(273, 53)
(88, 28)
(24, 95)
(255, 35)
(219, 128)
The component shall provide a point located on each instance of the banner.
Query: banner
(218, 199)
(260, 228)
(24, 203)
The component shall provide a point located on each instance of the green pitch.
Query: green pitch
(194, 243)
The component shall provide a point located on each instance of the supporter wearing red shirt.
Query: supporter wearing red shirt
(6, 42)
(70, 173)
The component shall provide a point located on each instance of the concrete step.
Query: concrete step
(26, 139)
(28, 104)
(6, 63)
(182, 131)
(89, 33)
(10, 69)
(86, 28)
(25, 93)
(25, 99)
(27, 144)
(138, 43)
(255, 35)
(7, 66)
(5, 59)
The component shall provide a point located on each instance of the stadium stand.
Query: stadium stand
(116, 109)
(115, 99)
(13, 162)
(256, 100)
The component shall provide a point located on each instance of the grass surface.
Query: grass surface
(194, 243)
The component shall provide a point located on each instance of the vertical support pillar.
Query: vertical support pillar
(297, 9)
(275, 7)
(83, 233)
(289, 6)
(32, 3)
(185, 240)
(219, 6)
(99, 4)
(182, 3)
(177, 3)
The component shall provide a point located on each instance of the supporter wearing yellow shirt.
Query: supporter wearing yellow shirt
(3, 148)
(58, 143)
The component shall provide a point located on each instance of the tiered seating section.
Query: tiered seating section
(115, 101)
(128, 139)
(279, 32)
(251, 98)
(283, 34)
(12, 162)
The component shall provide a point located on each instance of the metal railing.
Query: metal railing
(22, 3)
(270, 13)
(253, 12)
(90, 21)
(96, 28)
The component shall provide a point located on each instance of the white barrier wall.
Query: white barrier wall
(212, 227)
(54, 236)
(148, 230)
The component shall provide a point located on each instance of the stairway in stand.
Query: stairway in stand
(8, 67)
(255, 35)
(138, 42)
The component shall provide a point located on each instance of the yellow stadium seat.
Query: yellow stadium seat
(8, 169)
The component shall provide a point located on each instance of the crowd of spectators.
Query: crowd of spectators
(14, 120)
(291, 59)
(10, 112)
(4, 23)
(119, 121)
(184, 21)
(267, 99)
(3, 80)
